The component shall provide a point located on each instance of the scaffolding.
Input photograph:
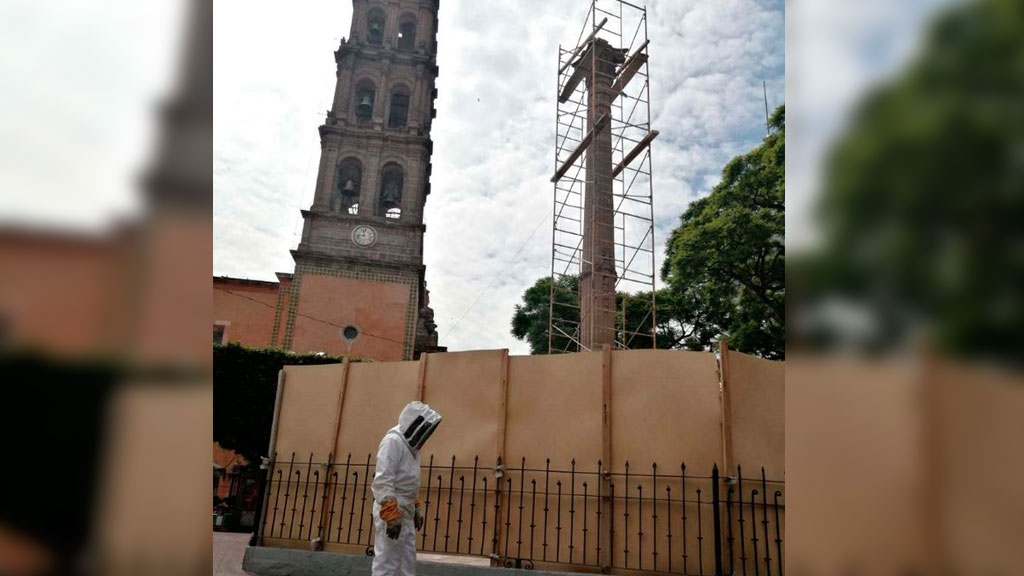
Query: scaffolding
(602, 256)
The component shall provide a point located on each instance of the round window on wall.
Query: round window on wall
(349, 333)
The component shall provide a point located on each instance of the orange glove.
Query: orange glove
(389, 512)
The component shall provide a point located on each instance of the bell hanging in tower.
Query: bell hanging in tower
(365, 105)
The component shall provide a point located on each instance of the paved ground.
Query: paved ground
(228, 549)
(461, 560)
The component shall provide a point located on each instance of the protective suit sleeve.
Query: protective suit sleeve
(388, 458)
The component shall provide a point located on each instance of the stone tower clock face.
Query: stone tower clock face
(364, 236)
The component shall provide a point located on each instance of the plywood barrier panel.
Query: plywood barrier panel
(754, 525)
(660, 521)
(555, 516)
(307, 501)
(304, 440)
(975, 428)
(554, 410)
(308, 405)
(457, 498)
(550, 489)
(758, 397)
(665, 409)
(465, 387)
(664, 522)
(375, 394)
(557, 525)
(854, 468)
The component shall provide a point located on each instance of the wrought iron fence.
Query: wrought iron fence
(576, 517)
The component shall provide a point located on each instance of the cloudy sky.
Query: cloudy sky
(836, 51)
(81, 80)
(489, 213)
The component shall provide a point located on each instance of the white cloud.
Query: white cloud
(838, 51)
(80, 82)
(494, 133)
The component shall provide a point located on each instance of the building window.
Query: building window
(390, 204)
(347, 186)
(399, 116)
(407, 33)
(354, 209)
(350, 333)
(218, 334)
(365, 94)
(375, 27)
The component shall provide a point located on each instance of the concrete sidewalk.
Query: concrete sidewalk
(228, 550)
(291, 562)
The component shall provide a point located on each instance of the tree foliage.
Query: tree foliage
(244, 392)
(923, 195)
(54, 418)
(530, 321)
(725, 263)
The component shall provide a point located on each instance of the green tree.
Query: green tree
(244, 392)
(924, 197)
(725, 263)
(530, 321)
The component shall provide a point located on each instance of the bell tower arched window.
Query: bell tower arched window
(375, 26)
(399, 114)
(346, 188)
(407, 32)
(390, 199)
(365, 94)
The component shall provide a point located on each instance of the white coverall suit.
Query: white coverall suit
(398, 478)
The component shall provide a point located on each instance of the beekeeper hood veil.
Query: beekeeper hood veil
(417, 423)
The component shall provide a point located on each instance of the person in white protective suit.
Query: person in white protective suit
(396, 486)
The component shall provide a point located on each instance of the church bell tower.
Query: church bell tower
(358, 286)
